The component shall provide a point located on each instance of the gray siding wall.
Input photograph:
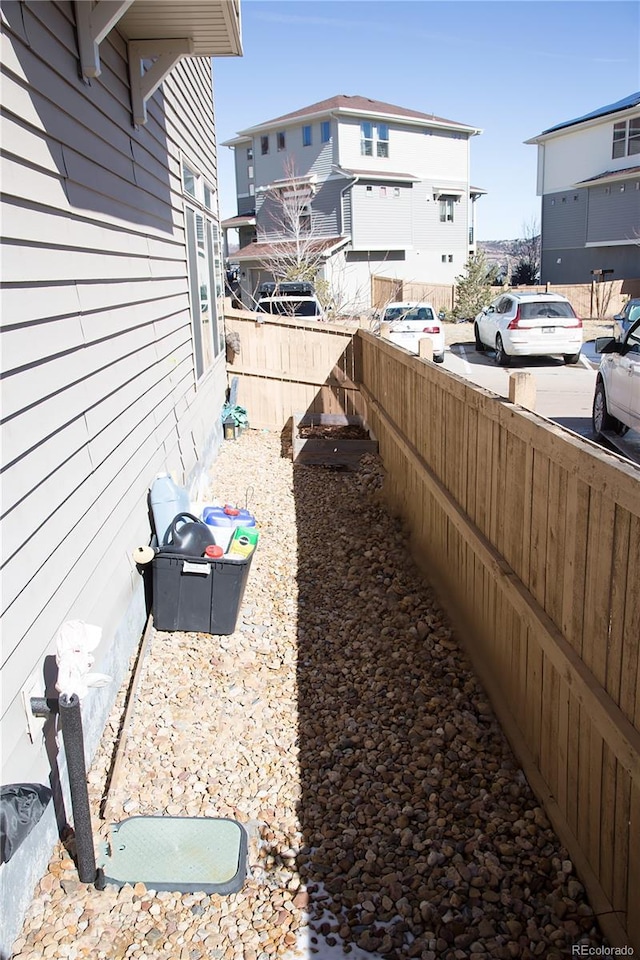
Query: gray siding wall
(325, 209)
(573, 218)
(381, 216)
(575, 265)
(614, 212)
(317, 158)
(564, 219)
(99, 387)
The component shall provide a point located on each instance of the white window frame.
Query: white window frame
(626, 136)
(205, 267)
(374, 139)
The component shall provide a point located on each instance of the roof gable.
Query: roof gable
(344, 103)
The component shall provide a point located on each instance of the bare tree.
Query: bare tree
(295, 248)
(526, 253)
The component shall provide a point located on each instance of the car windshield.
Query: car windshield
(289, 308)
(419, 314)
(554, 308)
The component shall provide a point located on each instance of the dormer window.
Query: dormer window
(626, 138)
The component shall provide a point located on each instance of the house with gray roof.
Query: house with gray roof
(387, 191)
(589, 181)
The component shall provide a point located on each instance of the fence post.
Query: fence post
(522, 390)
(425, 348)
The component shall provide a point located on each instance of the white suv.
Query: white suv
(521, 324)
(616, 402)
(289, 299)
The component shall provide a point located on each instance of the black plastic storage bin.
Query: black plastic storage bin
(194, 593)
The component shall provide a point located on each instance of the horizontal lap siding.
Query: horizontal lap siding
(98, 389)
(510, 516)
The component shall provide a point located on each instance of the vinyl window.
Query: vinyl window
(325, 131)
(446, 209)
(264, 145)
(281, 140)
(204, 260)
(374, 133)
(306, 136)
(626, 138)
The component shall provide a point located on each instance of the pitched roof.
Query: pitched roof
(263, 250)
(631, 101)
(623, 174)
(362, 105)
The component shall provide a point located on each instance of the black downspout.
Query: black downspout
(71, 726)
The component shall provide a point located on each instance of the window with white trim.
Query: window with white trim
(204, 260)
(626, 138)
(370, 133)
(446, 209)
(306, 135)
(382, 145)
(325, 131)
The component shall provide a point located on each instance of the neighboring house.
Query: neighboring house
(589, 181)
(387, 188)
(112, 340)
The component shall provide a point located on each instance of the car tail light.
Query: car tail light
(578, 323)
(515, 323)
(431, 330)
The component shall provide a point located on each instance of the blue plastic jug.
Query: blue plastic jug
(167, 500)
(224, 520)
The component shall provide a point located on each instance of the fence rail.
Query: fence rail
(589, 299)
(532, 537)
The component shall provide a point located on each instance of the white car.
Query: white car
(521, 324)
(410, 321)
(616, 402)
(289, 298)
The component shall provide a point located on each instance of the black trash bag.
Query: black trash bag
(21, 806)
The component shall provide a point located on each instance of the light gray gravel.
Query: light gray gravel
(342, 724)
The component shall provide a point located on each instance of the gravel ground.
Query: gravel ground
(342, 724)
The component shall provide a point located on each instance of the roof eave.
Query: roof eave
(214, 27)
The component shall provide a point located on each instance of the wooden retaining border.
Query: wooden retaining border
(531, 535)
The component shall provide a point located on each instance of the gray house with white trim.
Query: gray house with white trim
(388, 190)
(589, 181)
(113, 367)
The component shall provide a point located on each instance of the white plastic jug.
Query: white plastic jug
(167, 500)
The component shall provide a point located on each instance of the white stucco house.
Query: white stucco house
(388, 192)
(589, 181)
(113, 367)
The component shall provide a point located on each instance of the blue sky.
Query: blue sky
(511, 67)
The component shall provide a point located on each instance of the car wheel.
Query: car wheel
(480, 347)
(502, 359)
(601, 419)
(571, 357)
(439, 358)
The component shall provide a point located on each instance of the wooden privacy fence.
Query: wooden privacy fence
(532, 537)
(588, 299)
(287, 366)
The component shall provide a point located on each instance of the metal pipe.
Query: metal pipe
(71, 726)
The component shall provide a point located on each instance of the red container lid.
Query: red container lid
(213, 551)
(231, 511)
